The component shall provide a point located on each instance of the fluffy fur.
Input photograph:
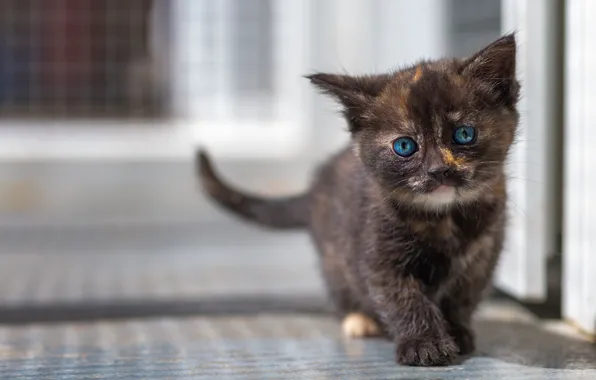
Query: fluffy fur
(398, 247)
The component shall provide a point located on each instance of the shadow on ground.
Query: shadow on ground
(530, 345)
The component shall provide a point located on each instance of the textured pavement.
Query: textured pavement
(265, 347)
(220, 301)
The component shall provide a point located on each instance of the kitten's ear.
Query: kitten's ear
(495, 64)
(351, 91)
(355, 93)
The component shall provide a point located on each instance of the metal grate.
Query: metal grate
(269, 346)
(123, 263)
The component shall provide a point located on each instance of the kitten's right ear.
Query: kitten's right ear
(353, 92)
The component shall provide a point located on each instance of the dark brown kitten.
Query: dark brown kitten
(409, 220)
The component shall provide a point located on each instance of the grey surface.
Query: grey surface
(220, 275)
(261, 347)
(119, 263)
(88, 192)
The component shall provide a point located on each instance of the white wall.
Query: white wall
(534, 164)
(579, 233)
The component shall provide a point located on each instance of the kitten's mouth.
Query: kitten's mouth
(443, 189)
(440, 195)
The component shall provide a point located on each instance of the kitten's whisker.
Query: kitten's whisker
(507, 199)
(516, 206)
(525, 179)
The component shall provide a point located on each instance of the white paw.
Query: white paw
(358, 325)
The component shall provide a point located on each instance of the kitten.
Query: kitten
(409, 220)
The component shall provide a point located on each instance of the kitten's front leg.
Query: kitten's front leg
(459, 315)
(459, 304)
(415, 322)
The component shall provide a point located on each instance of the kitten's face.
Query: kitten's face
(436, 136)
(437, 133)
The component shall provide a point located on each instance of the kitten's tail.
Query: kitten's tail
(280, 213)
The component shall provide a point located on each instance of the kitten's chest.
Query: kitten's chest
(445, 233)
(443, 248)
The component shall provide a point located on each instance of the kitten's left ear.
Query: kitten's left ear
(495, 64)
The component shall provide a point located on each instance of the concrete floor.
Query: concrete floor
(221, 301)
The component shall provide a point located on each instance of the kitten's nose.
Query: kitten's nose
(440, 173)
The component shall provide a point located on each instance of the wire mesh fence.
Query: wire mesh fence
(105, 58)
(70, 58)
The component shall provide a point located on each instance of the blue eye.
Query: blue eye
(405, 146)
(464, 134)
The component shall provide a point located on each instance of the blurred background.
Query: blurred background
(103, 103)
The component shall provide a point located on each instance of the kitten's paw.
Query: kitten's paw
(358, 325)
(465, 340)
(427, 351)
